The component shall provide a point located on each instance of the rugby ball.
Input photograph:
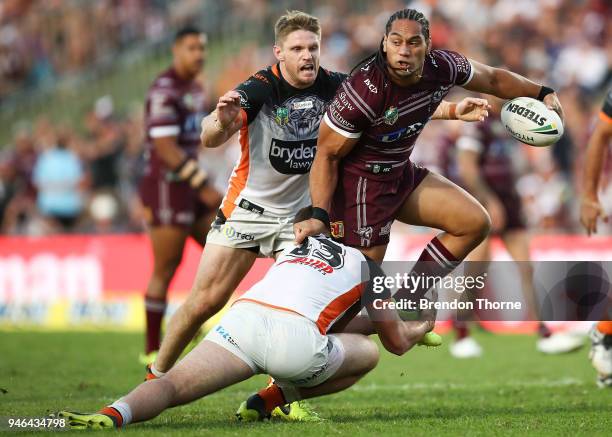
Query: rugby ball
(531, 122)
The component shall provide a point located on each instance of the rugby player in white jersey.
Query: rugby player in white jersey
(277, 111)
(279, 327)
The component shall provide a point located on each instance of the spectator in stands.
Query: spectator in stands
(59, 178)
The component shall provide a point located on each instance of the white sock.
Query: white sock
(124, 409)
(156, 372)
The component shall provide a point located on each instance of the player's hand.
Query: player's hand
(552, 102)
(210, 197)
(497, 212)
(472, 109)
(590, 211)
(308, 228)
(228, 108)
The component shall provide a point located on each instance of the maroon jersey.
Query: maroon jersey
(174, 107)
(388, 118)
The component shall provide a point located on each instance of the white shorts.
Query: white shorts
(245, 229)
(284, 345)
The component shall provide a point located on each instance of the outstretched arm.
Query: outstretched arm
(590, 208)
(508, 85)
(468, 109)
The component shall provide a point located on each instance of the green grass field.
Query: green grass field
(511, 390)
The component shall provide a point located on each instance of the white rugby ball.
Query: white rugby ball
(531, 122)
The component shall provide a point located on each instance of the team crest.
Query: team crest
(282, 116)
(391, 115)
(337, 229)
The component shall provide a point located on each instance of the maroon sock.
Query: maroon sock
(155, 309)
(543, 330)
(435, 261)
(461, 329)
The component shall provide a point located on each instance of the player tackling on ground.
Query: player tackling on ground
(279, 327)
(590, 211)
(177, 199)
(277, 112)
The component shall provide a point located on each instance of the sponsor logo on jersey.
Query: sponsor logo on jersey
(223, 333)
(316, 264)
(391, 115)
(365, 233)
(312, 377)
(336, 108)
(527, 113)
(233, 234)
(389, 137)
(370, 86)
(261, 77)
(433, 60)
(250, 206)
(437, 96)
(306, 104)
(292, 157)
(440, 93)
(378, 168)
(386, 229)
(281, 116)
(337, 229)
(244, 100)
(345, 102)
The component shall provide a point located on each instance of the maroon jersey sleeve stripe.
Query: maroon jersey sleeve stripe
(352, 93)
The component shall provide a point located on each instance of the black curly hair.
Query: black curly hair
(403, 14)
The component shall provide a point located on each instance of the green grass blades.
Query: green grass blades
(511, 390)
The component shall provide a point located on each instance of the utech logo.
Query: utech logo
(292, 157)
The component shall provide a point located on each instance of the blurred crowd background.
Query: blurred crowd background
(73, 75)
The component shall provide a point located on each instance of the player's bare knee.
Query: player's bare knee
(371, 355)
(476, 224)
(368, 356)
(482, 225)
(165, 272)
(206, 304)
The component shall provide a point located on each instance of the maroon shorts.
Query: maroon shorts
(363, 209)
(170, 203)
(513, 209)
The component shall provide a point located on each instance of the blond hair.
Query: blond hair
(295, 20)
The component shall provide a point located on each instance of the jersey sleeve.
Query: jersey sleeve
(163, 117)
(606, 111)
(454, 67)
(253, 93)
(351, 110)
